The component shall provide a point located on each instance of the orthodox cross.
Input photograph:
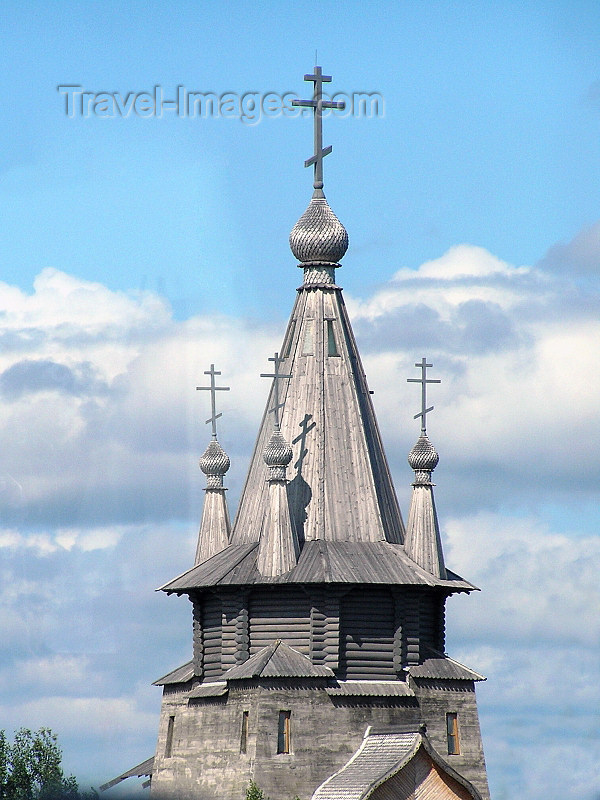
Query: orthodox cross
(423, 380)
(318, 104)
(213, 389)
(277, 376)
(306, 429)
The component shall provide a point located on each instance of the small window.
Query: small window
(169, 744)
(331, 345)
(244, 734)
(452, 734)
(308, 342)
(288, 345)
(283, 733)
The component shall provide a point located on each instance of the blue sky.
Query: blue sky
(136, 251)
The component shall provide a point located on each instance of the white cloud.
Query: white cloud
(539, 586)
(462, 261)
(579, 256)
(57, 672)
(464, 273)
(100, 459)
(104, 424)
(99, 417)
(85, 716)
(84, 539)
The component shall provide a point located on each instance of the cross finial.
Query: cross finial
(423, 380)
(213, 389)
(318, 104)
(277, 376)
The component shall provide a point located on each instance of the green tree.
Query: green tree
(254, 793)
(4, 763)
(30, 768)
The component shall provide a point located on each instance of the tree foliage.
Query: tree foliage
(30, 768)
(254, 793)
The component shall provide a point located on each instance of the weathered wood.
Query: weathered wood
(367, 629)
(242, 630)
(197, 637)
(412, 621)
(336, 562)
(212, 634)
(215, 526)
(340, 486)
(277, 615)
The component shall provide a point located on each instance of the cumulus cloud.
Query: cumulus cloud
(99, 417)
(580, 256)
(520, 375)
(100, 432)
(540, 585)
(64, 538)
(534, 632)
(29, 377)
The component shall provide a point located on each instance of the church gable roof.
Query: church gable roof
(277, 660)
(319, 562)
(382, 757)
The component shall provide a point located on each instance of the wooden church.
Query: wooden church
(318, 664)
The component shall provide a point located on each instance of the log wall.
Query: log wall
(361, 633)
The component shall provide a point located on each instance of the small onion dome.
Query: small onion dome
(423, 457)
(278, 452)
(214, 464)
(318, 236)
(277, 455)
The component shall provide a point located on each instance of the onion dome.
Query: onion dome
(423, 458)
(214, 463)
(318, 237)
(277, 455)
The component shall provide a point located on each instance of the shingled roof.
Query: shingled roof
(319, 562)
(343, 516)
(381, 756)
(180, 675)
(277, 660)
(340, 485)
(139, 771)
(444, 668)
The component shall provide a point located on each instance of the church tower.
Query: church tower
(318, 662)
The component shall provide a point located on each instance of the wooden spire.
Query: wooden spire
(215, 526)
(340, 488)
(423, 543)
(278, 550)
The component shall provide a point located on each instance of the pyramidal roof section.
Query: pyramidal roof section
(340, 486)
(277, 660)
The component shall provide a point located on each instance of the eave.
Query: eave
(320, 562)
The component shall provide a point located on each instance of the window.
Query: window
(331, 345)
(288, 345)
(169, 744)
(452, 734)
(244, 734)
(283, 733)
(308, 342)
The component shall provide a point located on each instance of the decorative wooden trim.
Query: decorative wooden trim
(441, 623)
(242, 630)
(318, 619)
(412, 625)
(399, 612)
(331, 643)
(197, 636)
